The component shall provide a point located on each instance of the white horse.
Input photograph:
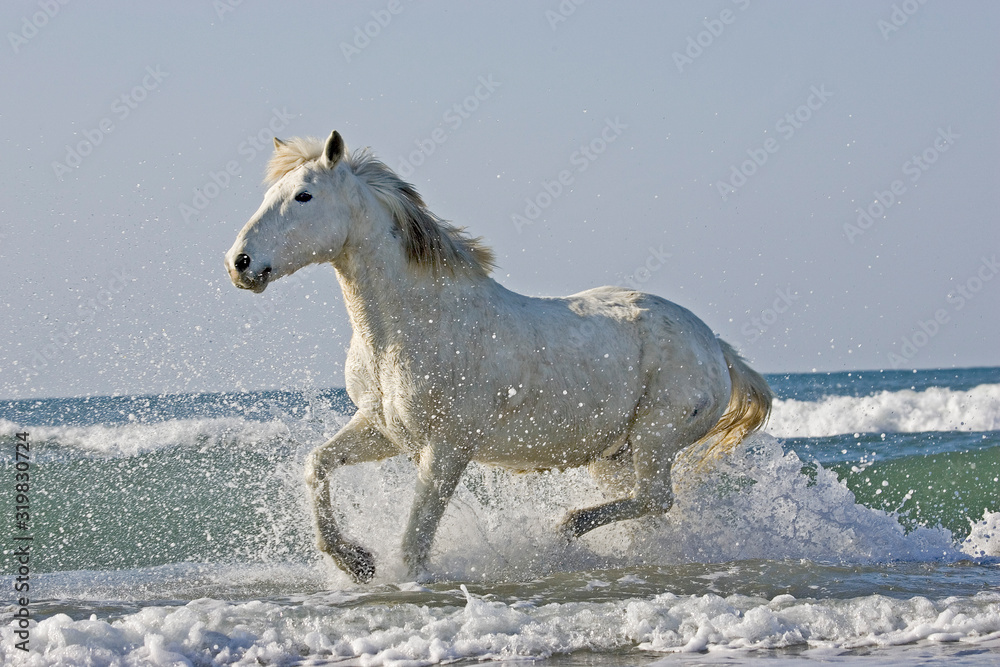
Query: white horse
(449, 367)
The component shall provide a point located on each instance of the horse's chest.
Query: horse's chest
(403, 407)
(405, 421)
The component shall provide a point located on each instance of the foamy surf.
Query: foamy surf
(460, 625)
(174, 530)
(984, 539)
(905, 411)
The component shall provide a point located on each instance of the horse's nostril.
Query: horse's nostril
(242, 262)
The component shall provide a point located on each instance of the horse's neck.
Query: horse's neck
(370, 286)
(391, 304)
(394, 304)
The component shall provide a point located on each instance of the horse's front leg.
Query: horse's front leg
(357, 442)
(440, 468)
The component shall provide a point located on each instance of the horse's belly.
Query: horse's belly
(534, 443)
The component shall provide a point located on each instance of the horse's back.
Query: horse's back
(663, 325)
(682, 362)
(574, 371)
(641, 335)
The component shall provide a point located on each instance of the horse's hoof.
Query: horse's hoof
(422, 577)
(576, 524)
(567, 530)
(418, 571)
(355, 561)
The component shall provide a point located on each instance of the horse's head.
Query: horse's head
(303, 219)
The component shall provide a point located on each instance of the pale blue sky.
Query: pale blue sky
(114, 258)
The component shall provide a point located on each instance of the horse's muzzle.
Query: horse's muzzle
(245, 278)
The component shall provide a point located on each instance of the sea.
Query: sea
(861, 527)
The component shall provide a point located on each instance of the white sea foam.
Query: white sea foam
(306, 427)
(933, 409)
(907, 411)
(984, 540)
(757, 504)
(133, 439)
(208, 631)
(124, 440)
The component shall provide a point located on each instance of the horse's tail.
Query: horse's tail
(748, 409)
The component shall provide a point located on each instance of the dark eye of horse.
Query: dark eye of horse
(303, 196)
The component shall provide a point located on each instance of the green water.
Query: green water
(944, 489)
(172, 506)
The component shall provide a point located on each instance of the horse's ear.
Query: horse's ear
(333, 151)
(278, 144)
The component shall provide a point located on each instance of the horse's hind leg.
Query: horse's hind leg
(357, 442)
(654, 444)
(615, 474)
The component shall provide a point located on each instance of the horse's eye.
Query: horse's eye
(303, 196)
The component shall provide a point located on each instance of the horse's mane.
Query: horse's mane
(428, 240)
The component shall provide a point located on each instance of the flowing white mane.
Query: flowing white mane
(429, 241)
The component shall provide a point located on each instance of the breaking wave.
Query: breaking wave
(905, 411)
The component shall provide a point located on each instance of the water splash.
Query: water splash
(984, 540)
(761, 503)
